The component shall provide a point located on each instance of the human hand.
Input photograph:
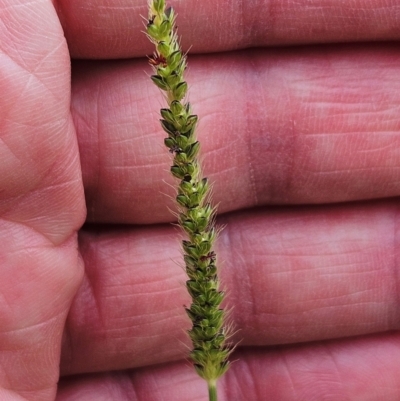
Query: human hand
(290, 136)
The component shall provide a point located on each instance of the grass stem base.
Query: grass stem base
(212, 391)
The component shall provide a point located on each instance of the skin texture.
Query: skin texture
(302, 144)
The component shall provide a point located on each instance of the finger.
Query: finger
(40, 177)
(102, 30)
(41, 199)
(356, 369)
(291, 276)
(278, 127)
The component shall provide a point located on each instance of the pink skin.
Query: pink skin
(289, 134)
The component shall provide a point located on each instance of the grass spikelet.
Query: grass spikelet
(196, 215)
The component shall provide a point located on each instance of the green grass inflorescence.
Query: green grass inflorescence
(196, 214)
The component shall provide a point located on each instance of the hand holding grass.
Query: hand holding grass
(313, 125)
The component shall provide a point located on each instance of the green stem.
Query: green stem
(212, 391)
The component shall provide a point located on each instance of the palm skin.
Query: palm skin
(303, 147)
